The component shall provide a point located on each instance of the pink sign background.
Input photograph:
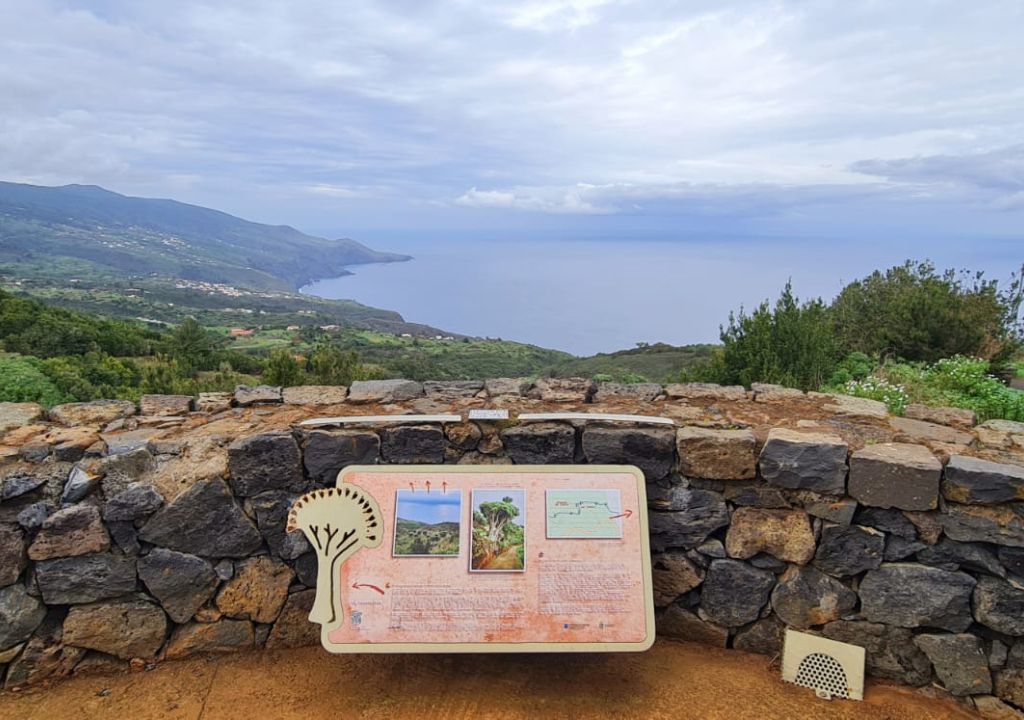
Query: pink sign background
(571, 591)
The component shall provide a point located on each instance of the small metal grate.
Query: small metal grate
(823, 674)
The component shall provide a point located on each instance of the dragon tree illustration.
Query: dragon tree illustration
(338, 521)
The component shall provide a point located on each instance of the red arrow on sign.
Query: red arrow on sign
(444, 486)
(626, 514)
(367, 585)
(412, 488)
(428, 486)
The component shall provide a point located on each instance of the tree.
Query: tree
(334, 366)
(791, 344)
(337, 521)
(914, 313)
(192, 347)
(498, 514)
(282, 368)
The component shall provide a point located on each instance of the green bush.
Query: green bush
(911, 312)
(93, 375)
(791, 344)
(23, 380)
(334, 366)
(282, 369)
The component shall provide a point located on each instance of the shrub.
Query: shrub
(790, 344)
(282, 369)
(22, 380)
(912, 312)
(334, 366)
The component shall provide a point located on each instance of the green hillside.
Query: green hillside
(656, 362)
(89, 231)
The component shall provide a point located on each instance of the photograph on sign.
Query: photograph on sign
(427, 524)
(498, 541)
(584, 514)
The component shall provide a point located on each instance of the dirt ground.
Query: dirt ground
(673, 680)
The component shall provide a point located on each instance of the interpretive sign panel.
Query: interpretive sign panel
(481, 559)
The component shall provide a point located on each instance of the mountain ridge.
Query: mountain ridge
(105, 231)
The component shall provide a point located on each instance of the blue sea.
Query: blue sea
(588, 296)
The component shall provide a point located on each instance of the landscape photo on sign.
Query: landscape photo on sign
(427, 524)
(498, 540)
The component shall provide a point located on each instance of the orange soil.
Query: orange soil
(672, 681)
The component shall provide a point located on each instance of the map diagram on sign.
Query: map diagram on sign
(584, 514)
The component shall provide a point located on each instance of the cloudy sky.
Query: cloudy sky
(548, 117)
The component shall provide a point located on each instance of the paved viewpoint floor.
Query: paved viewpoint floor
(673, 680)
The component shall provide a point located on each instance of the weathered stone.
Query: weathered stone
(839, 512)
(476, 458)
(639, 392)
(956, 417)
(982, 482)
(992, 708)
(213, 402)
(1012, 558)
(415, 444)
(268, 461)
(1007, 426)
(857, 407)
(181, 582)
(498, 387)
(12, 553)
(383, 391)
(763, 637)
(712, 548)
(910, 595)
(257, 591)
(314, 395)
(225, 569)
(452, 389)
(752, 494)
(126, 442)
(32, 517)
(463, 435)
(327, 452)
(959, 662)
(805, 597)
(650, 449)
(910, 430)
(20, 615)
(895, 475)
(999, 605)
(572, 390)
(891, 653)
(305, 569)
(974, 523)
(125, 536)
(716, 454)
(79, 485)
(673, 574)
(887, 520)
(801, 460)
(120, 471)
(85, 579)
(271, 509)
(785, 534)
(952, 555)
(14, 415)
(767, 392)
(126, 629)
(165, 404)
(97, 663)
(293, 628)
(10, 653)
(734, 592)
(18, 483)
(35, 451)
(689, 517)
(540, 443)
(77, 530)
(204, 520)
(71, 444)
(95, 412)
(897, 548)
(705, 391)
(850, 550)
(768, 562)
(160, 446)
(42, 658)
(928, 526)
(214, 637)
(135, 502)
(676, 622)
(246, 395)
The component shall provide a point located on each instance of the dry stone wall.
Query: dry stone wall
(135, 534)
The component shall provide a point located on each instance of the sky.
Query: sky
(431, 508)
(419, 120)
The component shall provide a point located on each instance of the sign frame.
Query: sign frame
(507, 647)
